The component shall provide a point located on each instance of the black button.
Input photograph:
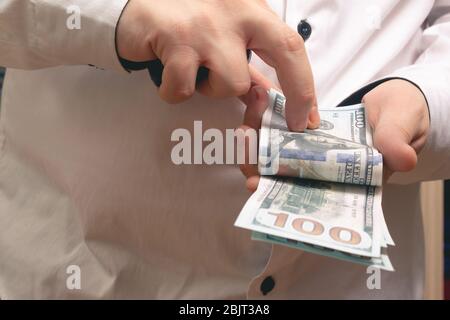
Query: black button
(304, 29)
(267, 285)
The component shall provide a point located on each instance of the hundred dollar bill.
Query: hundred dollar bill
(332, 215)
(321, 189)
(383, 262)
(341, 150)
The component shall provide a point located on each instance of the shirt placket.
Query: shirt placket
(269, 280)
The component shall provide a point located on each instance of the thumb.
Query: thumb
(393, 141)
(259, 80)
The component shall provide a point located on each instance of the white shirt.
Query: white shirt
(86, 177)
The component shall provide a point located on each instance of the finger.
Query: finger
(256, 101)
(418, 143)
(392, 140)
(247, 168)
(178, 79)
(229, 74)
(314, 117)
(252, 183)
(283, 48)
(258, 79)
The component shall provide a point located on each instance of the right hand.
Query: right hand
(186, 34)
(256, 101)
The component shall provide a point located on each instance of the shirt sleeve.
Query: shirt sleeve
(431, 73)
(44, 33)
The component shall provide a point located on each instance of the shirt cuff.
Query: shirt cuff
(92, 42)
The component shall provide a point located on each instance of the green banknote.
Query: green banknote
(320, 190)
(339, 150)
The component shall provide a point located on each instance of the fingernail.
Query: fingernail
(314, 118)
(313, 124)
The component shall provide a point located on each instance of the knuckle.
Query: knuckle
(180, 56)
(204, 20)
(177, 95)
(290, 41)
(182, 94)
(307, 97)
(181, 30)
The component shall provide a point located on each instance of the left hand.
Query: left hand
(397, 112)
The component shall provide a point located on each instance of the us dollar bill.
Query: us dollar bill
(340, 150)
(333, 215)
(321, 190)
(382, 262)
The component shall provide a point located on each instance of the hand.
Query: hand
(186, 34)
(397, 112)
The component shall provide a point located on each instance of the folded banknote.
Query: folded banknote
(321, 189)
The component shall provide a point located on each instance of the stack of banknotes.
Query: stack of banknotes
(320, 190)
